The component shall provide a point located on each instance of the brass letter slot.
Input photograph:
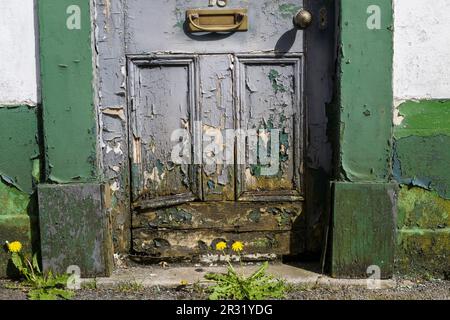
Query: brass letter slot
(217, 20)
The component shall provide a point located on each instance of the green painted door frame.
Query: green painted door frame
(363, 204)
(74, 222)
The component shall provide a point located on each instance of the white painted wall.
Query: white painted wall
(18, 82)
(422, 49)
(421, 46)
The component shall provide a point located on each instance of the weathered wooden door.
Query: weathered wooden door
(216, 128)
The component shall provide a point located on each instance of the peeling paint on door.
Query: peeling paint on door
(226, 86)
(176, 79)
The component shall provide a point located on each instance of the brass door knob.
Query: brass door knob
(303, 19)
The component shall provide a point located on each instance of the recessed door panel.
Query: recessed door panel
(270, 104)
(163, 102)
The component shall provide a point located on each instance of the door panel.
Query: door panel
(270, 103)
(217, 115)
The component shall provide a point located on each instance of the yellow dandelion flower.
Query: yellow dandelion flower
(184, 282)
(220, 246)
(237, 246)
(15, 246)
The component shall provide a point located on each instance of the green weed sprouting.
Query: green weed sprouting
(235, 286)
(42, 286)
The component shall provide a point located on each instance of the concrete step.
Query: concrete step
(174, 276)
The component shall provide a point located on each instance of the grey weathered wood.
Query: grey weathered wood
(269, 96)
(225, 216)
(158, 26)
(245, 80)
(162, 100)
(178, 244)
(110, 89)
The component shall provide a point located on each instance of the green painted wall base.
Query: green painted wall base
(19, 156)
(424, 253)
(423, 241)
(14, 228)
(75, 229)
(362, 229)
(421, 157)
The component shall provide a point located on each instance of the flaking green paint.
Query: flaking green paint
(363, 226)
(288, 10)
(424, 118)
(19, 171)
(274, 77)
(365, 92)
(423, 162)
(19, 146)
(180, 18)
(422, 141)
(67, 94)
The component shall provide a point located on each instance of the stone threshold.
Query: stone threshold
(174, 276)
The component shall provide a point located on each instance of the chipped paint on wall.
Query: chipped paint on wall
(19, 172)
(20, 160)
(421, 209)
(423, 118)
(288, 10)
(423, 233)
(422, 142)
(422, 136)
(19, 145)
(422, 162)
(13, 201)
